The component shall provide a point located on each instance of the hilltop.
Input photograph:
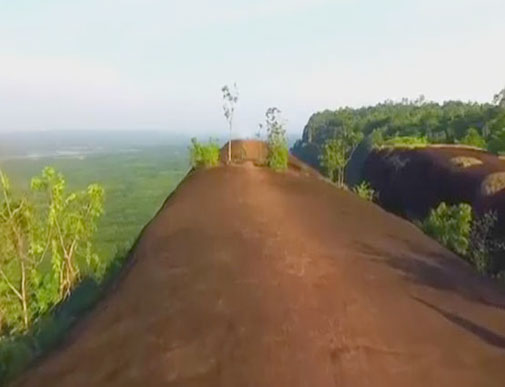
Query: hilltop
(248, 277)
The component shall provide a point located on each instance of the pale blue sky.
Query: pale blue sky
(153, 64)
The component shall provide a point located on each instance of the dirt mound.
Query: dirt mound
(246, 150)
(256, 152)
(253, 278)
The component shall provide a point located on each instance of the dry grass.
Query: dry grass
(465, 161)
(493, 183)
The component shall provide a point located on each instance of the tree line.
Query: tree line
(331, 136)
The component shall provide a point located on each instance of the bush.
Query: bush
(365, 191)
(406, 141)
(451, 226)
(473, 138)
(204, 155)
(278, 157)
(278, 153)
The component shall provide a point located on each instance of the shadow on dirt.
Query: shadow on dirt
(484, 334)
(436, 269)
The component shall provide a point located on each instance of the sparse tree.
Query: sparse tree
(230, 99)
(55, 229)
(499, 99)
(337, 152)
(71, 223)
(17, 261)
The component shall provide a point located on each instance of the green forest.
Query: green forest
(67, 226)
(407, 122)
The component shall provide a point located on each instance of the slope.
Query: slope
(251, 278)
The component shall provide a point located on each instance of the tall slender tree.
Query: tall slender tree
(230, 99)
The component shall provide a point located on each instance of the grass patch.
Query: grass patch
(465, 161)
(365, 191)
(204, 154)
(493, 183)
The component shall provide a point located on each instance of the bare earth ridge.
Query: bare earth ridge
(251, 278)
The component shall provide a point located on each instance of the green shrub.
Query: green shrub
(365, 191)
(278, 157)
(278, 153)
(451, 226)
(473, 138)
(406, 141)
(204, 155)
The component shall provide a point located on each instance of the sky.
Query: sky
(160, 65)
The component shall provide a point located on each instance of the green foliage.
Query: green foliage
(419, 119)
(365, 191)
(41, 242)
(337, 152)
(20, 350)
(376, 138)
(332, 159)
(278, 153)
(137, 182)
(473, 138)
(406, 141)
(451, 226)
(204, 155)
(497, 141)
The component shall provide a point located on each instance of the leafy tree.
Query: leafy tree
(18, 258)
(57, 229)
(451, 226)
(473, 138)
(337, 152)
(278, 153)
(230, 99)
(70, 225)
(332, 159)
(418, 119)
(204, 155)
(497, 141)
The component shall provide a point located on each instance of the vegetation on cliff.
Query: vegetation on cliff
(407, 122)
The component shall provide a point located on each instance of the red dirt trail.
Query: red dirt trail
(251, 278)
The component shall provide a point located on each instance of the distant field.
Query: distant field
(136, 183)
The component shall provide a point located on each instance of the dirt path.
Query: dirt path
(249, 278)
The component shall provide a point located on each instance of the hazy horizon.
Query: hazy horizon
(134, 65)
